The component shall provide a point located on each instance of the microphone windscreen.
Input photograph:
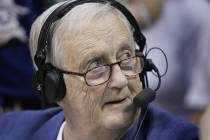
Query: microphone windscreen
(144, 97)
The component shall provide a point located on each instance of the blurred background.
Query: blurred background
(181, 28)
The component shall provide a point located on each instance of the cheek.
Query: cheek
(74, 88)
(135, 85)
(84, 99)
(96, 94)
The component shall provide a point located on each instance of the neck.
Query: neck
(86, 133)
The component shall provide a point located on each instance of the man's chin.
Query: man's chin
(121, 120)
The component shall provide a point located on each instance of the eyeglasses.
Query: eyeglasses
(130, 67)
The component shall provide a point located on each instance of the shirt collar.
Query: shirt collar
(60, 133)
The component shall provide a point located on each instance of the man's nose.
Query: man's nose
(117, 79)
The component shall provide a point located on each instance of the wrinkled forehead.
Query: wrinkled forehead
(92, 25)
(91, 20)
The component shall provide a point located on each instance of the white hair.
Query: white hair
(73, 23)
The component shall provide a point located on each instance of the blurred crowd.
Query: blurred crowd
(181, 28)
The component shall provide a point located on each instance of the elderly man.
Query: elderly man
(89, 57)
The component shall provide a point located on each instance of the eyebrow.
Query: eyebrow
(125, 46)
(90, 57)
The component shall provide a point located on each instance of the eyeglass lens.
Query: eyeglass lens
(99, 75)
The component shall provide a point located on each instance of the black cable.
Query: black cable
(156, 48)
(141, 123)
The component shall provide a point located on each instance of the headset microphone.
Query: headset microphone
(147, 95)
(144, 97)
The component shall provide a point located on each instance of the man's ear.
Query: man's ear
(60, 103)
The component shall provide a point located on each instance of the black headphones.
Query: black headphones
(48, 81)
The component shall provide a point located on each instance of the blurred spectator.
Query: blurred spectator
(10, 27)
(198, 95)
(16, 69)
(177, 31)
(146, 11)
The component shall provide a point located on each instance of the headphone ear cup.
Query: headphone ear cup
(54, 86)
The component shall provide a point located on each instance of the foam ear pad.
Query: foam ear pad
(54, 86)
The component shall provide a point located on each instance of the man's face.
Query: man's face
(107, 106)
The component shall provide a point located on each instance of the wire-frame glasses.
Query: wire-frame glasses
(130, 67)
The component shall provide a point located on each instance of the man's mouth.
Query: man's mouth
(116, 101)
